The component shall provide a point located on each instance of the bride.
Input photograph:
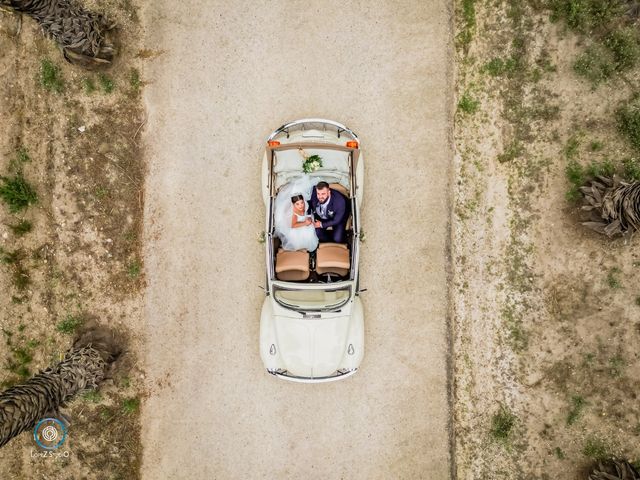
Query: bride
(293, 226)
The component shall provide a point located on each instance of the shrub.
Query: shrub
(22, 227)
(596, 64)
(107, 83)
(625, 47)
(502, 424)
(629, 121)
(468, 104)
(17, 193)
(595, 448)
(50, 76)
(585, 15)
(69, 324)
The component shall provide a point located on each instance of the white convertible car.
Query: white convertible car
(311, 325)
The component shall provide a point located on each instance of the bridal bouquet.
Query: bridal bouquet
(311, 162)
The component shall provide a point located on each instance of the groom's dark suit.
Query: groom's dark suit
(335, 216)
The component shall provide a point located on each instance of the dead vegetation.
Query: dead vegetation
(545, 309)
(70, 233)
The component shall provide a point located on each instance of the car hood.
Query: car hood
(312, 348)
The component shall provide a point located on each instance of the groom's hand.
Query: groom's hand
(317, 224)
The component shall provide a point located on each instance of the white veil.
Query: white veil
(300, 185)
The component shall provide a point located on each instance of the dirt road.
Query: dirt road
(230, 72)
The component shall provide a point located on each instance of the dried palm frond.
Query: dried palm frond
(614, 205)
(82, 35)
(614, 469)
(84, 366)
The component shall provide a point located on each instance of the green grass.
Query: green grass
(613, 279)
(596, 64)
(631, 169)
(469, 22)
(21, 157)
(133, 269)
(629, 121)
(106, 83)
(93, 396)
(17, 193)
(616, 366)
(559, 453)
(21, 228)
(596, 449)
(625, 47)
(130, 405)
(21, 277)
(513, 151)
(585, 16)
(606, 168)
(577, 406)
(51, 76)
(572, 147)
(88, 85)
(468, 104)
(134, 80)
(498, 66)
(502, 425)
(69, 324)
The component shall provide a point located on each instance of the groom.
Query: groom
(330, 209)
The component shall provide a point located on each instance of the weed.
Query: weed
(577, 405)
(559, 453)
(596, 146)
(93, 396)
(134, 80)
(612, 279)
(595, 448)
(125, 382)
(22, 157)
(21, 278)
(571, 148)
(513, 151)
(497, 66)
(605, 169)
(631, 169)
(69, 324)
(21, 228)
(638, 301)
(585, 16)
(576, 176)
(107, 83)
(596, 64)
(629, 121)
(17, 193)
(100, 192)
(89, 85)
(130, 405)
(469, 18)
(468, 104)
(625, 47)
(33, 343)
(502, 425)
(616, 365)
(133, 269)
(50, 76)
(21, 327)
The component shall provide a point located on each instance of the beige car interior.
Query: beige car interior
(331, 258)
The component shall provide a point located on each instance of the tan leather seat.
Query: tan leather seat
(332, 258)
(292, 266)
(340, 188)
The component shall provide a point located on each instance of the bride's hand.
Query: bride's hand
(308, 221)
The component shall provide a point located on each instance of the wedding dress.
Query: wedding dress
(294, 238)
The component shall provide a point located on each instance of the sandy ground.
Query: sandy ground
(228, 74)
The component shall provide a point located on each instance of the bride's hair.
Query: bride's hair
(295, 198)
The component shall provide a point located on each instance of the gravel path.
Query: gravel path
(231, 72)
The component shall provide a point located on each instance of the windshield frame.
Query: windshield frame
(345, 285)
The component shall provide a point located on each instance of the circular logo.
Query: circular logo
(49, 433)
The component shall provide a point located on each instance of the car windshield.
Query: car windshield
(312, 299)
